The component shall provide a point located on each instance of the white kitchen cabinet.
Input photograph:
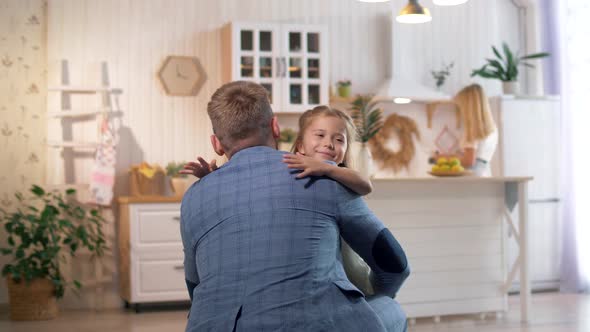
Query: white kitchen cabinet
(529, 145)
(290, 61)
(150, 250)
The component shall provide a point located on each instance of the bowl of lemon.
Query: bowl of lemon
(448, 167)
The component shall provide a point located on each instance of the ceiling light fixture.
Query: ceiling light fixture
(402, 100)
(449, 2)
(414, 13)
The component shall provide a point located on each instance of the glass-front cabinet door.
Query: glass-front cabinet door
(256, 50)
(288, 60)
(305, 83)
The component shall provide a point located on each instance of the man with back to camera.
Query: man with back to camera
(261, 248)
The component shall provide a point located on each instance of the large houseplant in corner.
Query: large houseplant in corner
(505, 67)
(44, 229)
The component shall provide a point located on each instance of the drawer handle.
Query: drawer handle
(179, 267)
(176, 219)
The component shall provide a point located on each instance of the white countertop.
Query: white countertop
(456, 179)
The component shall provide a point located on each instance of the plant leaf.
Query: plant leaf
(20, 253)
(7, 269)
(535, 55)
(497, 53)
(511, 63)
(497, 65)
(485, 74)
(38, 191)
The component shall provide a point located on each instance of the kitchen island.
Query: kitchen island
(453, 230)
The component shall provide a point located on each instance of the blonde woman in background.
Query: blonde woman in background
(480, 132)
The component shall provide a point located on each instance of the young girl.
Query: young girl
(324, 135)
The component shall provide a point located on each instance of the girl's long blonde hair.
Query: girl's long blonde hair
(474, 108)
(307, 118)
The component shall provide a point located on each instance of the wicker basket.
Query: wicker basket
(141, 185)
(35, 301)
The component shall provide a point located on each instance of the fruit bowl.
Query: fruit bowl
(450, 173)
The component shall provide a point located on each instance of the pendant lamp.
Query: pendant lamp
(414, 13)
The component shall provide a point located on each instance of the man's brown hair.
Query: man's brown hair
(240, 110)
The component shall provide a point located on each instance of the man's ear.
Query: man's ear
(216, 143)
(276, 130)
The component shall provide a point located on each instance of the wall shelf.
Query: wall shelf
(80, 89)
(73, 114)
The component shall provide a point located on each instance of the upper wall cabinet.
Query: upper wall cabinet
(290, 61)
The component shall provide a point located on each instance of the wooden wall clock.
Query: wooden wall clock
(182, 75)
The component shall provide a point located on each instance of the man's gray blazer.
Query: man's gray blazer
(262, 252)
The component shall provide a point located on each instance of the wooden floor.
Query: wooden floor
(551, 312)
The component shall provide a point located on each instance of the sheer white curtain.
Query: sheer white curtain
(571, 53)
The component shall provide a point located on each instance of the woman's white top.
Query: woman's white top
(484, 153)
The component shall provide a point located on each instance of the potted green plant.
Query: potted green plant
(505, 68)
(368, 122)
(441, 75)
(344, 88)
(178, 181)
(286, 139)
(42, 232)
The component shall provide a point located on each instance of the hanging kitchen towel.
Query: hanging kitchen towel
(103, 171)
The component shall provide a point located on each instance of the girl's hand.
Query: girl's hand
(199, 169)
(309, 165)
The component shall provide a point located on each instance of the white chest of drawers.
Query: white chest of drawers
(150, 250)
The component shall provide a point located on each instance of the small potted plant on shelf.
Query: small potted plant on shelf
(45, 229)
(178, 181)
(343, 88)
(440, 76)
(505, 68)
(286, 139)
(368, 122)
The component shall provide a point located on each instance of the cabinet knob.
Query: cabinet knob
(176, 219)
(179, 267)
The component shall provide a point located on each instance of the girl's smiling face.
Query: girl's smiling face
(325, 139)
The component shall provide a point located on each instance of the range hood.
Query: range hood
(405, 90)
(406, 87)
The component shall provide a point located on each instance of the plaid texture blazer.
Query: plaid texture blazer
(262, 252)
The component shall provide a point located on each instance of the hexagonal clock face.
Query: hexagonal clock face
(182, 75)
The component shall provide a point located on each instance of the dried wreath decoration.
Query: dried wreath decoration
(404, 127)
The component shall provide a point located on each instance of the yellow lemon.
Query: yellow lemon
(435, 168)
(442, 161)
(456, 168)
(444, 168)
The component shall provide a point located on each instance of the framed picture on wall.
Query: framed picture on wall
(182, 75)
